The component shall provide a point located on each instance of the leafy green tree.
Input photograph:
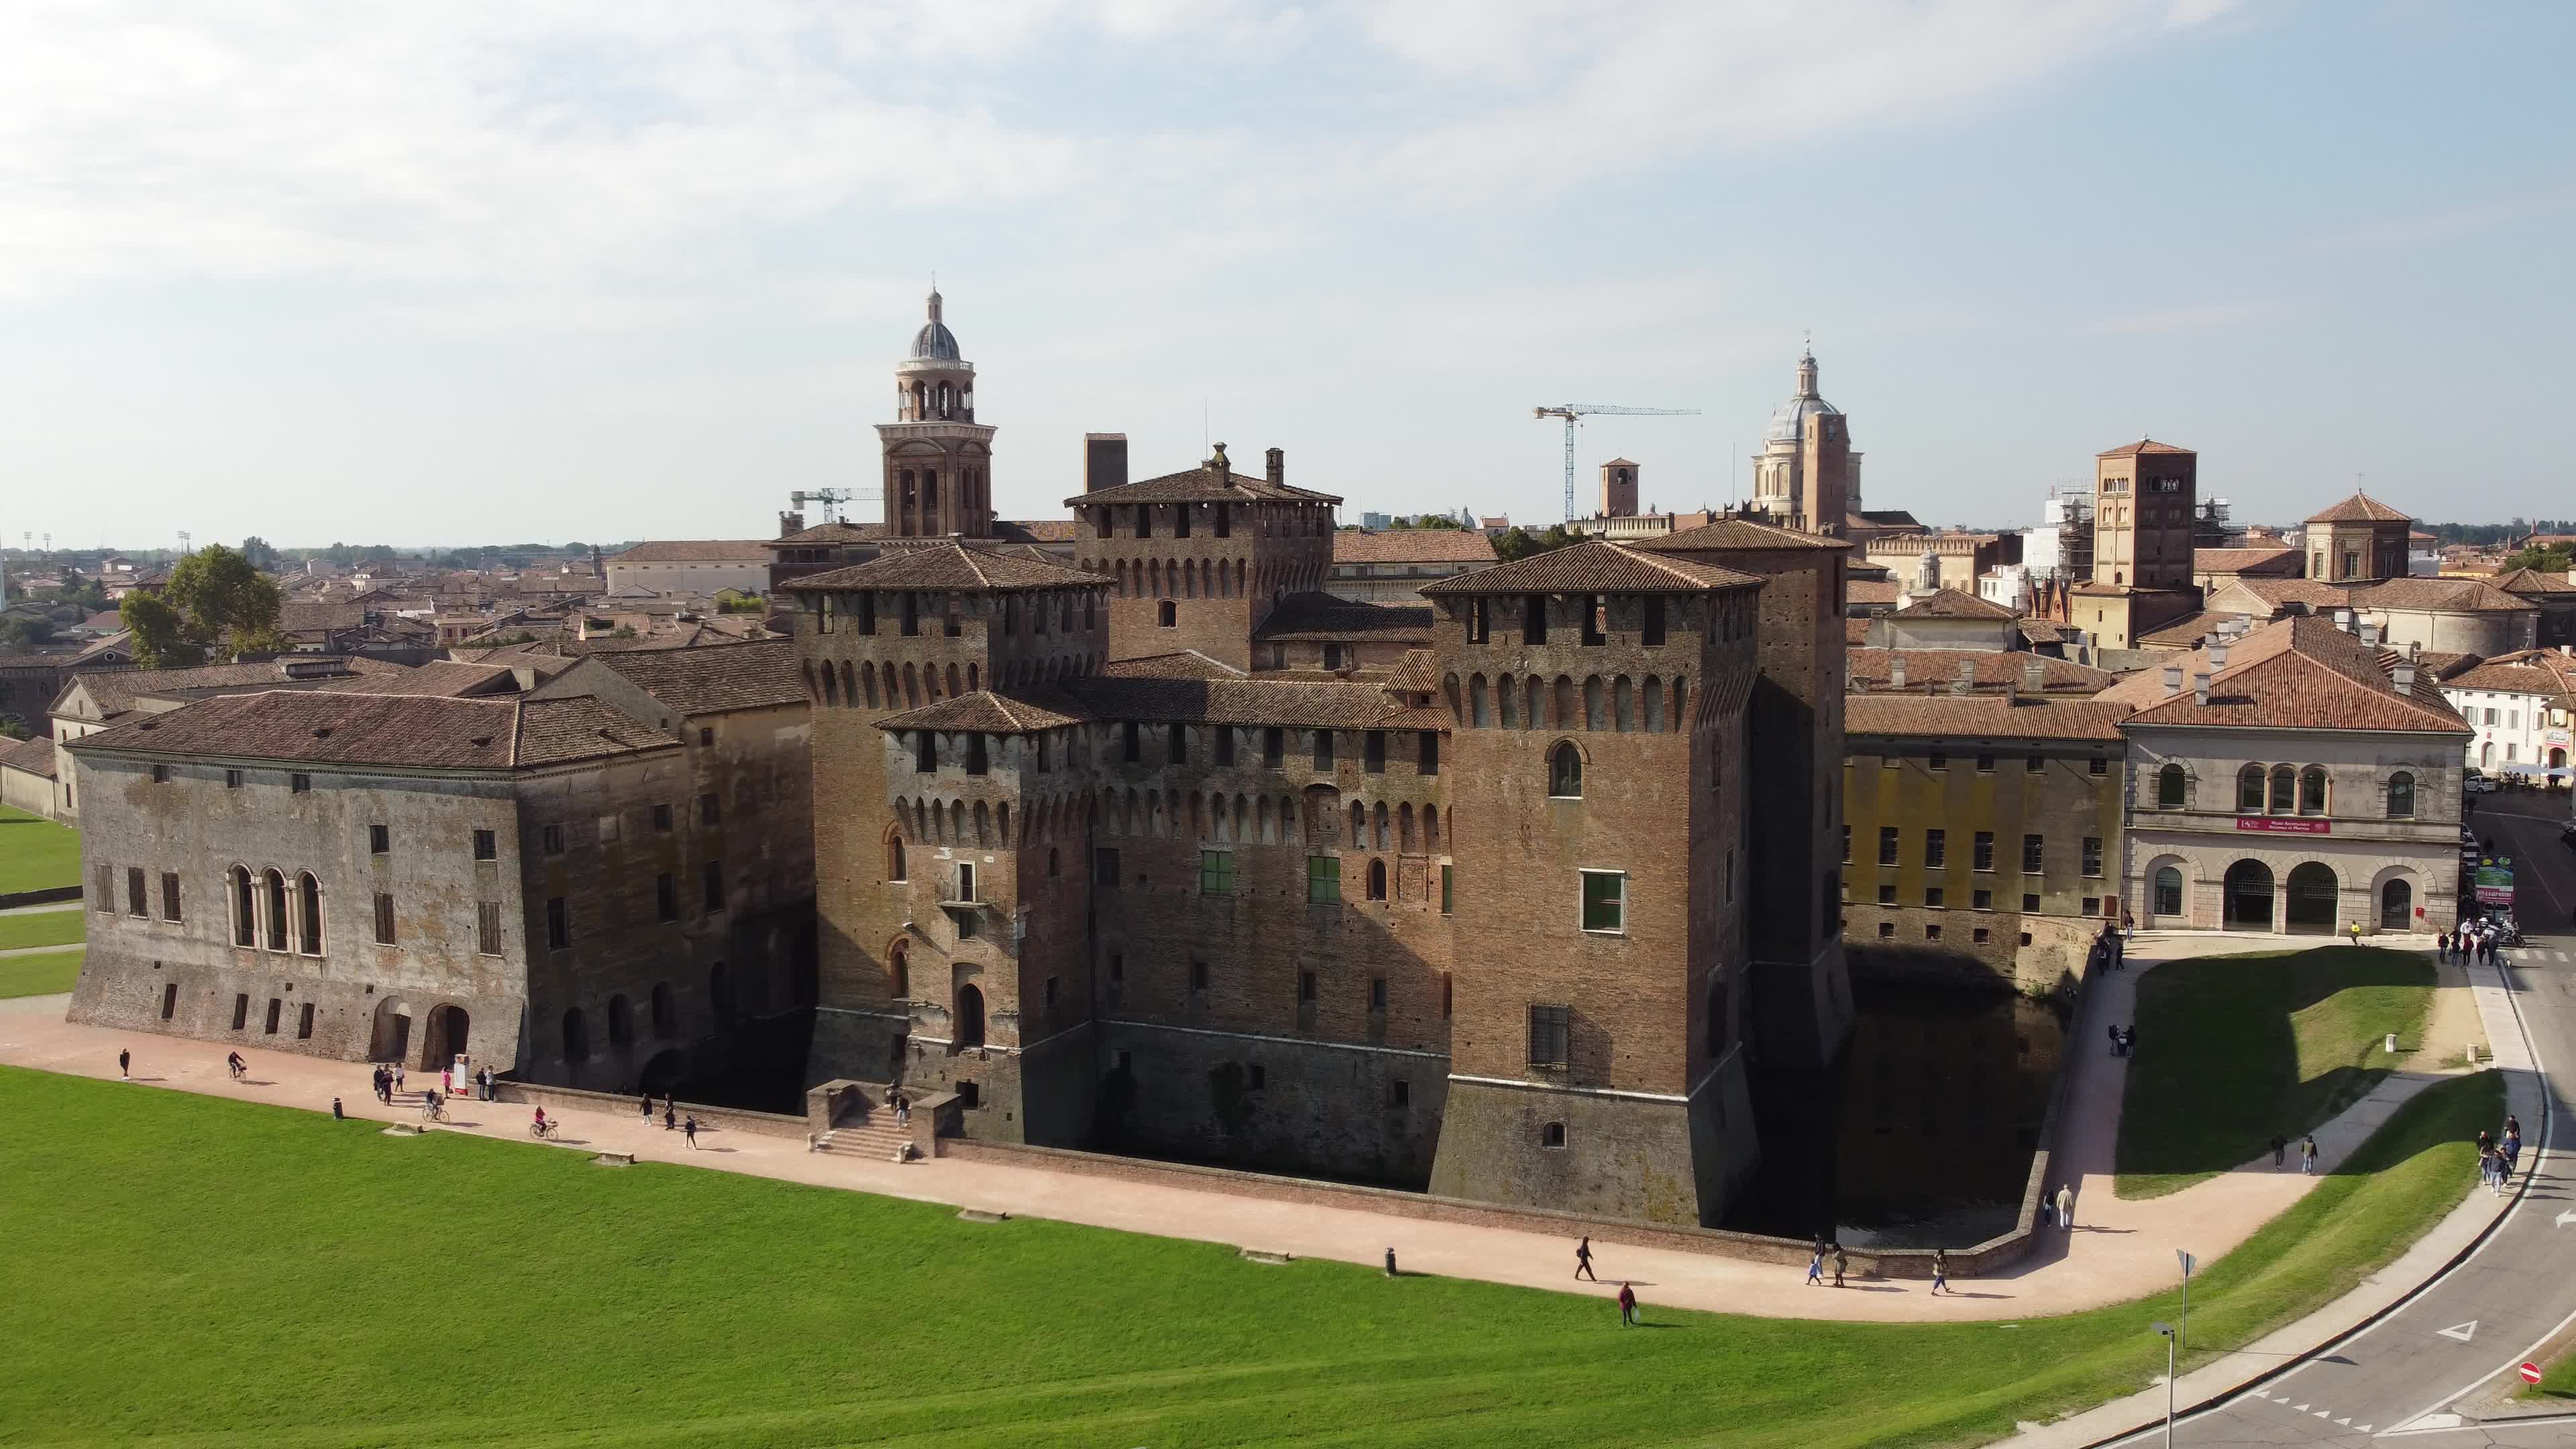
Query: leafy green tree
(160, 633)
(25, 632)
(1517, 543)
(256, 549)
(14, 728)
(216, 606)
(2556, 559)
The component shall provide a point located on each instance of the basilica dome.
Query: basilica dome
(934, 342)
(1789, 422)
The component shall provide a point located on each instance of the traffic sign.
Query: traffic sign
(2530, 1373)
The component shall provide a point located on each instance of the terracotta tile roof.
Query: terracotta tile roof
(1236, 701)
(713, 678)
(994, 712)
(34, 757)
(1872, 591)
(1993, 669)
(2446, 666)
(1418, 674)
(448, 677)
(946, 566)
(2297, 673)
(394, 731)
(1412, 545)
(2280, 593)
(1922, 543)
(1200, 485)
(2543, 672)
(1982, 717)
(1856, 632)
(2361, 508)
(704, 550)
(2185, 633)
(2043, 631)
(2532, 582)
(1185, 664)
(1952, 604)
(2452, 596)
(114, 691)
(2142, 445)
(2245, 560)
(828, 533)
(1324, 617)
(1035, 530)
(1594, 566)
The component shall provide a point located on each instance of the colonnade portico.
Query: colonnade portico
(2191, 881)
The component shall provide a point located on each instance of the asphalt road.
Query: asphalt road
(2403, 1375)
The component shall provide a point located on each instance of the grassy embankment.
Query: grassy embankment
(35, 853)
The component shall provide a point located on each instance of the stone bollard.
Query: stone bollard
(2392, 1043)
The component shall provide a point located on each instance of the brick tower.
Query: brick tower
(1599, 695)
(1198, 559)
(938, 459)
(949, 829)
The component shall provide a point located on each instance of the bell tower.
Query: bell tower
(938, 459)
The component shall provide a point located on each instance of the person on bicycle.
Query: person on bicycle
(540, 1122)
(233, 1060)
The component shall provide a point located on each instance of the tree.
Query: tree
(13, 727)
(25, 632)
(216, 605)
(261, 556)
(1517, 543)
(2556, 559)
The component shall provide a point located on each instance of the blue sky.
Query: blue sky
(476, 272)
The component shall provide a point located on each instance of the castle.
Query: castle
(1163, 851)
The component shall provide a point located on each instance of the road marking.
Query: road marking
(2460, 1331)
(2564, 1218)
(2345, 1422)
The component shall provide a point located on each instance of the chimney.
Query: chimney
(2034, 677)
(1104, 461)
(1277, 466)
(1967, 679)
(2217, 657)
(2173, 680)
(2370, 635)
(1896, 672)
(2200, 689)
(2343, 620)
(2405, 676)
(2012, 692)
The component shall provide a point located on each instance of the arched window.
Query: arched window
(2397, 904)
(970, 1016)
(1167, 614)
(1504, 702)
(2169, 788)
(1594, 715)
(899, 971)
(2401, 796)
(1552, 1135)
(2285, 790)
(1565, 772)
(2312, 790)
(1053, 867)
(308, 900)
(1377, 880)
(276, 911)
(2249, 788)
(894, 857)
(2168, 901)
(665, 1017)
(1623, 705)
(1479, 711)
(621, 1022)
(245, 909)
(576, 1036)
(1381, 825)
(831, 686)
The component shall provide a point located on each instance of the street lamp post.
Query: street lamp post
(2170, 1338)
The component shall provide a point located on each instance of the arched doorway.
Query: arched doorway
(970, 1016)
(2309, 906)
(391, 1037)
(660, 1074)
(2164, 905)
(2397, 905)
(2249, 896)
(448, 1026)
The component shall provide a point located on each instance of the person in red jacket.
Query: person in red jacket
(1628, 1316)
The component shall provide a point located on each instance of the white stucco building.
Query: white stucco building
(2519, 705)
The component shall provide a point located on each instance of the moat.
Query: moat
(1921, 1135)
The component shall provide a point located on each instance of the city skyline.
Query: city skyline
(640, 273)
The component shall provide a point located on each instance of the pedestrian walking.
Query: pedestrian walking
(1816, 1267)
(2066, 1206)
(336, 1114)
(2280, 1152)
(2512, 1146)
(447, 1081)
(1390, 1264)
(398, 1078)
(1940, 1270)
(902, 1110)
(2114, 1030)
(2308, 1155)
(646, 1106)
(1583, 1259)
(1842, 1262)
(2129, 1040)
(124, 1065)
(1628, 1315)
(689, 1129)
(668, 1120)
(487, 1084)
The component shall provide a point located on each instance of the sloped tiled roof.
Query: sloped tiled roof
(2142, 445)
(1200, 485)
(1872, 591)
(1183, 664)
(114, 691)
(1595, 566)
(947, 566)
(1236, 701)
(713, 678)
(1412, 545)
(1418, 674)
(702, 550)
(1951, 604)
(2297, 673)
(2361, 508)
(827, 533)
(2544, 672)
(1856, 632)
(2245, 560)
(1993, 669)
(395, 731)
(2186, 633)
(448, 677)
(1982, 717)
(33, 756)
(1324, 617)
(2531, 583)
(2453, 596)
(994, 712)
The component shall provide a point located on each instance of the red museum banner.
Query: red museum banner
(2284, 825)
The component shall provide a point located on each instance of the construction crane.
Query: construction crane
(1574, 413)
(831, 499)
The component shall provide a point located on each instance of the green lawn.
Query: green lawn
(2232, 1049)
(41, 974)
(179, 1265)
(43, 928)
(35, 853)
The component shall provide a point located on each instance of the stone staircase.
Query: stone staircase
(872, 1138)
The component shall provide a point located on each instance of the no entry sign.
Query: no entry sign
(2530, 1373)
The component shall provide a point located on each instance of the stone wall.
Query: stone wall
(1317, 1107)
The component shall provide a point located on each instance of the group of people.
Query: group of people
(2109, 949)
(671, 1118)
(2476, 940)
(2496, 1156)
(2307, 1153)
(2124, 1040)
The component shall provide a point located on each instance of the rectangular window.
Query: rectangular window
(979, 759)
(1448, 996)
(300, 784)
(2098, 766)
(1594, 610)
(1936, 761)
(1936, 847)
(2034, 854)
(2092, 904)
(1274, 746)
(666, 897)
(1605, 900)
(1050, 993)
(487, 928)
(710, 809)
(1982, 900)
(1198, 978)
(1377, 995)
(1653, 632)
(1373, 750)
(1981, 935)
(2029, 903)
(136, 900)
(304, 1022)
(1323, 749)
(1985, 764)
(1306, 986)
(1534, 619)
(553, 839)
(384, 919)
(661, 817)
(1846, 844)
(558, 924)
(1444, 890)
(232, 779)
(1224, 745)
(169, 999)
(1550, 1030)
(1216, 872)
(2093, 855)
(1427, 752)
(169, 895)
(1932, 896)
(1887, 895)
(1104, 869)
(711, 886)
(241, 1011)
(380, 840)
(1132, 742)
(1399, 1093)
(1887, 845)
(1323, 879)
(486, 846)
(160, 774)
(925, 751)
(2033, 764)
(275, 1009)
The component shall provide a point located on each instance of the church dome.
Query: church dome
(934, 342)
(1789, 422)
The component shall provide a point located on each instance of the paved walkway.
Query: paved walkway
(2118, 1250)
